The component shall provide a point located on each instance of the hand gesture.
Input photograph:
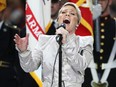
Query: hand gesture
(21, 43)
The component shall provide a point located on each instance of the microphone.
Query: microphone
(59, 36)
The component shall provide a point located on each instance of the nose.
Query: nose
(67, 14)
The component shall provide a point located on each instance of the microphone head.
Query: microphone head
(62, 25)
(59, 36)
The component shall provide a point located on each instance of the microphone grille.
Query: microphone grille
(62, 25)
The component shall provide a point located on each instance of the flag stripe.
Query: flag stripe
(87, 25)
(35, 77)
(2, 4)
(85, 22)
(48, 26)
(80, 2)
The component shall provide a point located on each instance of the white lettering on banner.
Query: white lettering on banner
(36, 32)
(33, 25)
(28, 17)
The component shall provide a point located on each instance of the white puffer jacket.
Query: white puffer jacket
(76, 55)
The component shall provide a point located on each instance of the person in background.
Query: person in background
(8, 54)
(106, 27)
(113, 9)
(55, 6)
(12, 22)
(76, 53)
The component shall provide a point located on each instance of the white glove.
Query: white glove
(96, 11)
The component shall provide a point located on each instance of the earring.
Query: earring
(77, 25)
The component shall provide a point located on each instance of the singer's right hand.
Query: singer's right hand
(64, 33)
(21, 43)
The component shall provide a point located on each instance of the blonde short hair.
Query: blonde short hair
(76, 7)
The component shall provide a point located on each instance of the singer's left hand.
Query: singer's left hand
(64, 33)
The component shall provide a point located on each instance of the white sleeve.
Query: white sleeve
(31, 60)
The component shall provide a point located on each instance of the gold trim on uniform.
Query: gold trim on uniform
(4, 64)
(102, 30)
(102, 24)
(101, 50)
(114, 38)
(101, 57)
(102, 36)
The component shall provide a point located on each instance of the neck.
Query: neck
(107, 12)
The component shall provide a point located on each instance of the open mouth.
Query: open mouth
(66, 21)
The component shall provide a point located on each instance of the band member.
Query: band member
(107, 27)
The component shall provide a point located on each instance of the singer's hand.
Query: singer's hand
(64, 33)
(21, 43)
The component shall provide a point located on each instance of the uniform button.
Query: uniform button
(106, 18)
(102, 24)
(4, 30)
(101, 57)
(102, 30)
(102, 43)
(14, 26)
(101, 50)
(102, 36)
(14, 77)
